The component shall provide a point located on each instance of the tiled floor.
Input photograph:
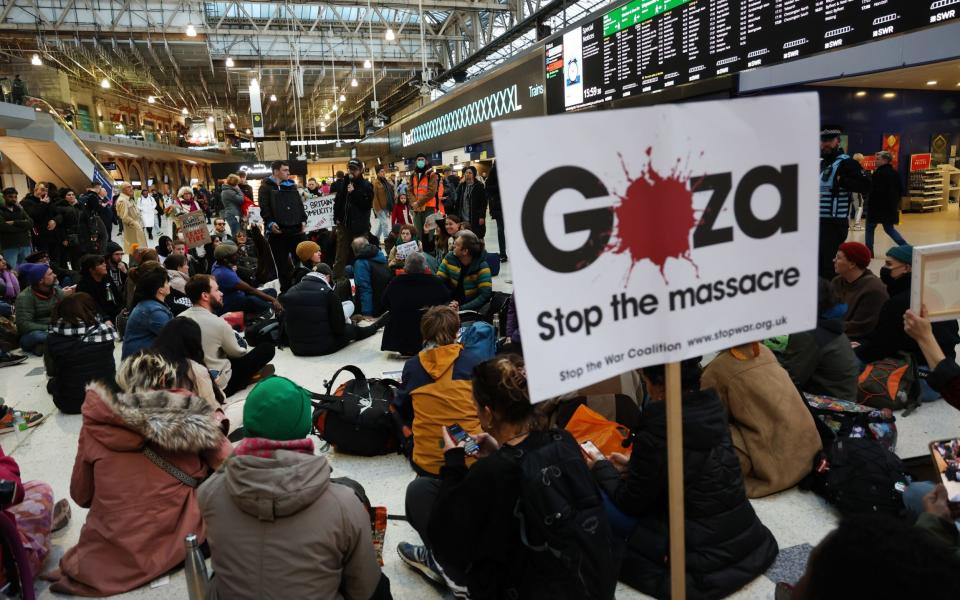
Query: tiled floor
(798, 519)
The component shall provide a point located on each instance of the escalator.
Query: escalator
(45, 148)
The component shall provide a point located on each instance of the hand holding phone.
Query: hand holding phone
(591, 450)
(458, 435)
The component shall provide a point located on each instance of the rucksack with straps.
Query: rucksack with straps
(890, 383)
(563, 523)
(288, 211)
(841, 418)
(358, 417)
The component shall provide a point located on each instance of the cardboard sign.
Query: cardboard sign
(319, 213)
(253, 216)
(920, 162)
(653, 242)
(936, 281)
(193, 226)
(405, 250)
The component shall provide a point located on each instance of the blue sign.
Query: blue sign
(104, 182)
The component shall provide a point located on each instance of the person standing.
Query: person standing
(351, 213)
(129, 214)
(840, 178)
(284, 216)
(492, 189)
(15, 228)
(72, 241)
(18, 90)
(382, 202)
(471, 202)
(45, 221)
(148, 211)
(425, 184)
(884, 205)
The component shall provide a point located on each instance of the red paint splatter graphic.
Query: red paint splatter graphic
(655, 217)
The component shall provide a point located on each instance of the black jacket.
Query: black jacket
(889, 339)
(884, 204)
(71, 364)
(406, 297)
(106, 294)
(42, 213)
(315, 323)
(492, 188)
(727, 545)
(478, 203)
(353, 208)
(268, 190)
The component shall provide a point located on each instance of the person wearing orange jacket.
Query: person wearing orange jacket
(424, 187)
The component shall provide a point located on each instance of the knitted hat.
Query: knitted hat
(224, 250)
(33, 272)
(857, 253)
(277, 409)
(305, 250)
(113, 247)
(902, 253)
(355, 162)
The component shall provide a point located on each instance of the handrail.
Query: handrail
(33, 101)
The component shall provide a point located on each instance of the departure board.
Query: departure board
(650, 45)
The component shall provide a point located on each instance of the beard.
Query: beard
(216, 305)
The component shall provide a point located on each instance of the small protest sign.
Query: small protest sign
(682, 230)
(319, 212)
(405, 250)
(253, 216)
(193, 226)
(936, 281)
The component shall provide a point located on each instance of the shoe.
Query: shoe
(8, 360)
(380, 321)
(504, 259)
(265, 372)
(30, 419)
(420, 559)
(61, 515)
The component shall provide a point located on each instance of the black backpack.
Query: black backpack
(288, 211)
(563, 523)
(358, 418)
(266, 328)
(859, 475)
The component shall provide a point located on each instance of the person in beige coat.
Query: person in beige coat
(129, 213)
(773, 431)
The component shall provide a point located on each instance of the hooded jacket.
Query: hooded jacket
(279, 528)
(139, 514)
(726, 544)
(822, 362)
(74, 357)
(313, 314)
(18, 233)
(372, 275)
(352, 209)
(406, 297)
(436, 391)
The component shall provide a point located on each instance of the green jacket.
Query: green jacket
(15, 227)
(945, 531)
(33, 313)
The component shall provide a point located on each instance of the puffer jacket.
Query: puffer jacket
(726, 544)
(139, 513)
(75, 356)
(314, 316)
(280, 528)
(372, 275)
(406, 297)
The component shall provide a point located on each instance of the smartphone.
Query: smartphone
(459, 435)
(946, 460)
(591, 450)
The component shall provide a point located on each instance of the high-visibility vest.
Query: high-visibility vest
(421, 186)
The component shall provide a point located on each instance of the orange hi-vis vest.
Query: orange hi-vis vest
(421, 187)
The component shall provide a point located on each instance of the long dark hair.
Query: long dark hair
(180, 339)
(149, 284)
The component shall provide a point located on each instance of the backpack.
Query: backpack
(480, 338)
(890, 383)
(358, 417)
(858, 475)
(851, 420)
(563, 523)
(266, 328)
(288, 211)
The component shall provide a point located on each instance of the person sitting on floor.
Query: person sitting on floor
(326, 550)
(856, 286)
(96, 282)
(466, 273)
(371, 275)
(772, 430)
(821, 361)
(79, 350)
(408, 233)
(309, 255)
(35, 304)
(318, 323)
(435, 389)
(406, 297)
(150, 312)
(179, 271)
(726, 544)
(232, 365)
(141, 455)
(239, 295)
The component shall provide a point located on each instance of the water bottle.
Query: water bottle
(496, 324)
(195, 568)
(19, 423)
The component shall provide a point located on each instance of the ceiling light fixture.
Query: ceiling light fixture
(861, 94)
(334, 106)
(247, 131)
(191, 31)
(366, 64)
(233, 125)
(390, 35)
(210, 119)
(932, 82)
(105, 83)
(254, 83)
(273, 97)
(229, 62)
(36, 60)
(343, 97)
(353, 82)
(151, 99)
(889, 95)
(323, 128)
(185, 112)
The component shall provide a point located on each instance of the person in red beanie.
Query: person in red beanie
(857, 287)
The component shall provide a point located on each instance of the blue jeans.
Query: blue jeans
(622, 524)
(887, 227)
(383, 224)
(5, 309)
(249, 304)
(16, 256)
(32, 342)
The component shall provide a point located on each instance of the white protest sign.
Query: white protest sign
(253, 216)
(405, 250)
(319, 212)
(650, 235)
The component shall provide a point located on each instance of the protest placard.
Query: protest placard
(319, 212)
(935, 282)
(405, 250)
(193, 227)
(647, 236)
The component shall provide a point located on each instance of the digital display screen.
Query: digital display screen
(650, 45)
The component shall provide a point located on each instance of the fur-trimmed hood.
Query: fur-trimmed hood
(171, 420)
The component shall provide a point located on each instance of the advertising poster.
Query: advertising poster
(193, 226)
(319, 212)
(654, 242)
(573, 67)
(921, 162)
(891, 143)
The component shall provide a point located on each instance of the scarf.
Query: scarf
(95, 334)
(36, 292)
(13, 286)
(264, 448)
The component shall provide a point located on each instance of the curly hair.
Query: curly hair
(500, 384)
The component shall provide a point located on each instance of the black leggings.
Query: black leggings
(421, 495)
(245, 367)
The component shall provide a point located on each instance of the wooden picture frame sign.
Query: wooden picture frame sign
(936, 281)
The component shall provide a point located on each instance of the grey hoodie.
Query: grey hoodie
(278, 528)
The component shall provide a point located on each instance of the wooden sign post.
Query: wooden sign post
(678, 570)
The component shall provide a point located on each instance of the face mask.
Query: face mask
(886, 277)
(421, 164)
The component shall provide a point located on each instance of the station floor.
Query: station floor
(798, 520)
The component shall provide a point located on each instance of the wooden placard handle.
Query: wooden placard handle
(678, 577)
